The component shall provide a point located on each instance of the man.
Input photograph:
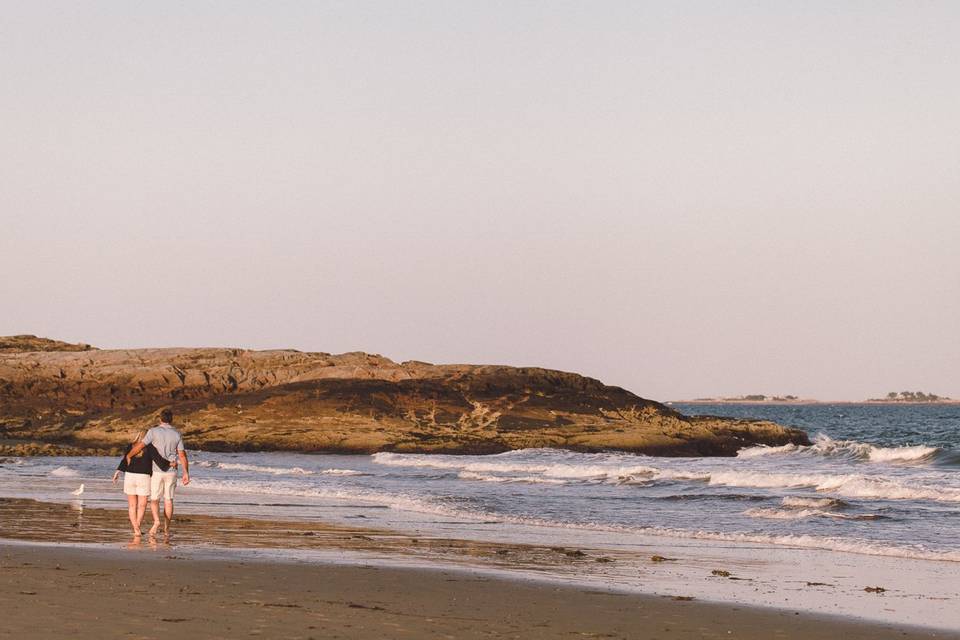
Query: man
(169, 443)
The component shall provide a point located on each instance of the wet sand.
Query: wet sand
(65, 569)
(59, 591)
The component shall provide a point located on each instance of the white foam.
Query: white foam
(799, 514)
(64, 472)
(823, 445)
(800, 502)
(502, 464)
(341, 472)
(471, 475)
(614, 471)
(255, 468)
(847, 485)
(785, 514)
(393, 501)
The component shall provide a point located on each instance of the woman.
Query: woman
(136, 479)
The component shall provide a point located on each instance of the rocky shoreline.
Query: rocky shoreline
(62, 399)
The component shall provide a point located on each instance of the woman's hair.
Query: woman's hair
(137, 439)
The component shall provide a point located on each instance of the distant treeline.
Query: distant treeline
(909, 396)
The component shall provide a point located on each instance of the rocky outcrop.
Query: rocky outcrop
(68, 398)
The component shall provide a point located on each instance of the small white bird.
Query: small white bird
(79, 491)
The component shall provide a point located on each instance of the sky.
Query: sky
(684, 199)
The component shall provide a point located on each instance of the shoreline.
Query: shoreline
(89, 592)
(813, 582)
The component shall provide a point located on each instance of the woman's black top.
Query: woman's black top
(143, 463)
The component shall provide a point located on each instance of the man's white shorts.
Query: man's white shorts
(162, 485)
(136, 484)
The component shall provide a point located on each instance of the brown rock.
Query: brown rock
(77, 397)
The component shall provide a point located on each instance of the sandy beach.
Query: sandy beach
(57, 591)
(77, 572)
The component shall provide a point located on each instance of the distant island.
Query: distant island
(911, 397)
(894, 397)
(752, 398)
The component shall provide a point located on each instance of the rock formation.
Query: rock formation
(69, 399)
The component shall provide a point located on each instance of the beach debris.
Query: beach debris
(721, 573)
(576, 553)
(874, 589)
(78, 492)
(662, 559)
(502, 552)
(174, 619)
(682, 598)
(308, 533)
(28, 593)
(819, 584)
(604, 559)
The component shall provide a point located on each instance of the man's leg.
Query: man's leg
(168, 515)
(156, 488)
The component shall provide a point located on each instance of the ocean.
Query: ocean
(879, 480)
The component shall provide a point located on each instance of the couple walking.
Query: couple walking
(149, 469)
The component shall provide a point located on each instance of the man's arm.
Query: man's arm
(134, 450)
(186, 466)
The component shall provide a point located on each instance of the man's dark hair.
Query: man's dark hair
(166, 416)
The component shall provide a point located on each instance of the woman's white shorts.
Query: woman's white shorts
(136, 484)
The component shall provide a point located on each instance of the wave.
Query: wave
(394, 501)
(471, 475)
(342, 472)
(799, 514)
(801, 502)
(847, 485)
(609, 468)
(503, 463)
(824, 445)
(64, 472)
(255, 468)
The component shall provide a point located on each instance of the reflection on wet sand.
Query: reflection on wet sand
(26, 519)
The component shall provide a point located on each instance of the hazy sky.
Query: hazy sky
(681, 198)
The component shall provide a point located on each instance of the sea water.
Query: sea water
(878, 479)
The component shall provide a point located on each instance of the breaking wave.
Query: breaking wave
(825, 446)
(499, 469)
(64, 472)
(255, 468)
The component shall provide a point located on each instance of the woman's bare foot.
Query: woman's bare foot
(137, 533)
(153, 529)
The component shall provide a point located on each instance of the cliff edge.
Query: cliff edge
(58, 398)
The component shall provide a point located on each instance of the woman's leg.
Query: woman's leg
(132, 512)
(141, 509)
